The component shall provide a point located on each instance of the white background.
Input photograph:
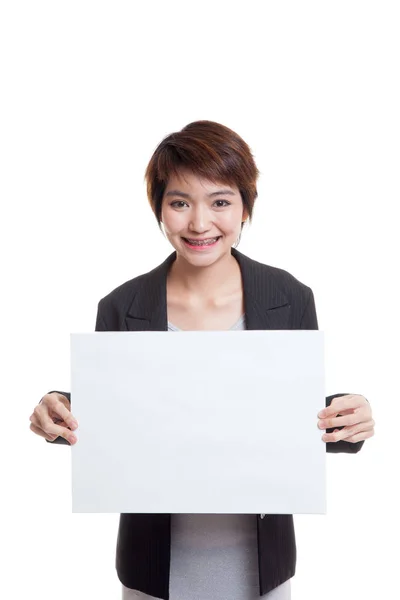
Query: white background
(88, 91)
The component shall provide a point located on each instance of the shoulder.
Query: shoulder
(286, 281)
(279, 279)
(112, 307)
(116, 304)
(276, 288)
(123, 294)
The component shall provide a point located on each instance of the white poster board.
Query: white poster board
(198, 422)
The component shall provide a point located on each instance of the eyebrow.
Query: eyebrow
(184, 195)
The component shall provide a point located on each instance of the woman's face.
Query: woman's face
(202, 220)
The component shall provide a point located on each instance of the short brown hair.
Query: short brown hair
(209, 150)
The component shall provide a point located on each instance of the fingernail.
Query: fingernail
(72, 439)
(74, 424)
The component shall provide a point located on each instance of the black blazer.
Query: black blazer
(273, 299)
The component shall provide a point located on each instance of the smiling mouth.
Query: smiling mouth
(207, 242)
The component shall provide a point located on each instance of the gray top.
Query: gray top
(240, 324)
(214, 556)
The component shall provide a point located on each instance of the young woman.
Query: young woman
(201, 184)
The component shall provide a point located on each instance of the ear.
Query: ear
(245, 214)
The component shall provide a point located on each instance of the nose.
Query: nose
(200, 220)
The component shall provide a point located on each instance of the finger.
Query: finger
(352, 431)
(41, 419)
(347, 432)
(35, 420)
(342, 413)
(51, 428)
(341, 403)
(40, 432)
(349, 411)
(71, 438)
(60, 422)
(58, 407)
(341, 421)
(359, 437)
(37, 428)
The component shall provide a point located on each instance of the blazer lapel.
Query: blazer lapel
(266, 305)
(148, 310)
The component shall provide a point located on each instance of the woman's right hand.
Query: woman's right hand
(52, 418)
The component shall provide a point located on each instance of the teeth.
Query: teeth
(205, 243)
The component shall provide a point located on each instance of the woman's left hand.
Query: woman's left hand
(353, 412)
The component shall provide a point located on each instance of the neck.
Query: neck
(206, 282)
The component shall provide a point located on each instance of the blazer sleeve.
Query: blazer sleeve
(100, 326)
(309, 321)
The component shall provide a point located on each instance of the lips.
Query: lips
(202, 242)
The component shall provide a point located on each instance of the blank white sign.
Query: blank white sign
(198, 422)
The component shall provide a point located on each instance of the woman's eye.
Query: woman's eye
(182, 203)
(178, 203)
